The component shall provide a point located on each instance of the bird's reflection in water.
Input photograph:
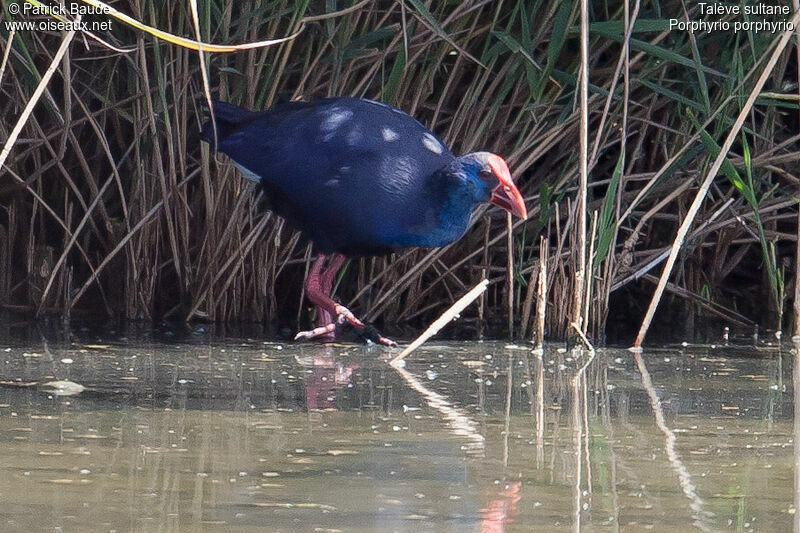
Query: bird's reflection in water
(501, 509)
(325, 375)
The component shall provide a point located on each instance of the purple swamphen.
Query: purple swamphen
(359, 178)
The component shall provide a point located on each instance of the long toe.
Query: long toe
(326, 333)
(387, 342)
(365, 331)
(372, 334)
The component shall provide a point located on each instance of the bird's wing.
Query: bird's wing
(354, 166)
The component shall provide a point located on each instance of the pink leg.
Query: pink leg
(326, 278)
(318, 288)
(320, 297)
(315, 285)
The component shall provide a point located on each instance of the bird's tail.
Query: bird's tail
(227, 118)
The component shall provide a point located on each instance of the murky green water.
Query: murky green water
(259, 436)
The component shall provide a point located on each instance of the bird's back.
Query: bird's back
(353, 174)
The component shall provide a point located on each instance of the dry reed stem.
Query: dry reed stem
(142, 222)
(610, 267)
(796, 303)
(541, 303)
(334, 14)
(583, 166)
(7, 53)
(510, 274)
(589, 274)
(203, 69)
(421, 265)
(796, 407)
(729, 315)
(712, 173)
(660, 256)
(405, 280)
(527, 305)
(37, 93)
(667, 166)
(60, 221)
(443, 320)
(470, 108)
(585, 340)
(115, 177)
(68, 246)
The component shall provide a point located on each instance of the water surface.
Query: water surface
(262, 436)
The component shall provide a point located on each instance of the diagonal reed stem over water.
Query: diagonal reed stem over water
(443, 320)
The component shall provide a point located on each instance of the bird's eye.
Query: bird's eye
(484, 174)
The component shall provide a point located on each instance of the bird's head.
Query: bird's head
(492, 178)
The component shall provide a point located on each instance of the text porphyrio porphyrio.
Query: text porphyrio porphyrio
(358, 177)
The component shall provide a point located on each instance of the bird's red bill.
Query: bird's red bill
(506, 195)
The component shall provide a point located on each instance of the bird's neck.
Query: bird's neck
(459, 185)
(457, 194)
(441, 212)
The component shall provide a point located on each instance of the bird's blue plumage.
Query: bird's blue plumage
(357, 176)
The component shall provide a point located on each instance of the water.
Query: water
(257, 436)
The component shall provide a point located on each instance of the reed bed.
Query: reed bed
(111, 206)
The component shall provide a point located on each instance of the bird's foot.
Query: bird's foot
(328, 331)
(368, 332)
(322, 331)
(346, 317)
(371, 334)
(343, 315)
